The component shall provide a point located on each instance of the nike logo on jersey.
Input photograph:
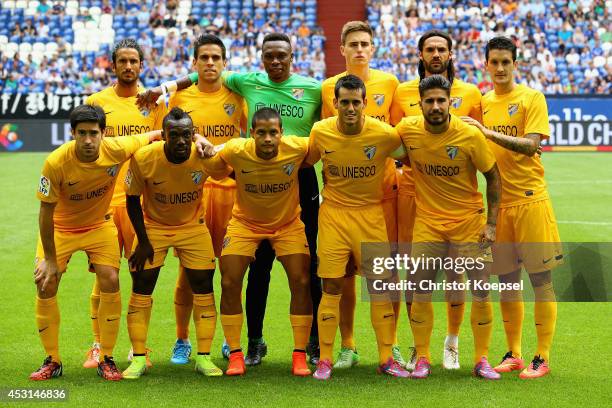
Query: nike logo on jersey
(108, 113)
(413, 148)
(72, 183)
(485, 112)
(414, 104)
(156, 183)
(329, 151)
(246, 171)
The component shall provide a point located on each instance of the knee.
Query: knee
(109, 282)
(333, 286)
(540, 278)
(512, 277)
(230, 285)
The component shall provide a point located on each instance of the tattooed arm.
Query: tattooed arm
(493, 197)
(527, 145)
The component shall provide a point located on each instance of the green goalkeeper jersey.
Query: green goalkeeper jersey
(298, 99)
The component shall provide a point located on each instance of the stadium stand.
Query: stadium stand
(55, 46)
(566, 46)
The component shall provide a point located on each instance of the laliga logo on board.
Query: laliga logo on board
(9, 138)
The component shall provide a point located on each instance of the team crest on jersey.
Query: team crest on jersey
(297, 93)
(229, 108)
(512, 108)
(379, 99)
(44, 187)
(288, 168)
(456, 102)
(112, 171)
(452, 151)
(226, 241)
(196, 176)
(369, 151)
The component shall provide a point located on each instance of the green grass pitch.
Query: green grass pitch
(579, 184)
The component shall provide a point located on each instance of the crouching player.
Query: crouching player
(170, 176)
(75, 190)
(445, 155)
(266, 207)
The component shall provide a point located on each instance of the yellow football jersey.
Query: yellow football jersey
(380, 88)
(83, 191)
(124, 119)
(444, 167)
(518, 113)
(267, 195)
(172, 193)
(218, 116)
(353, 165)
(465, 101)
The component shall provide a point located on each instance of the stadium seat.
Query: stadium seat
(51, 47)
(38, 46)
(21, 4)
(3, 39)
(90, 25)
(9, 4)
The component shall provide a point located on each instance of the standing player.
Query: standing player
(354, 149)
(267, 207)
(170, 176)
(515, 120)
(357, 49)
(435, 58)
(298, 100)
(446, 156)
(217, 114)
(122, 119)
(75, 191)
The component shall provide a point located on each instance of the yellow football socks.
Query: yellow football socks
(421, 322)
(183, 304)
(232, 327)
(482, 326)
(94, 305)
(301, 330)
(48, 320)
(383, 321)
(205, 319)
(327, 318)
(138, 317)
(513, 311)
(109, 315)
(545, 316)
(348, 302)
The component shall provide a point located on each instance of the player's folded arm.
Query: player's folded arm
(216, 167)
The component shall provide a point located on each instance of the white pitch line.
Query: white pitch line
(585, 222)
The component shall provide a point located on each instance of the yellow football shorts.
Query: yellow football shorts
(242, 239)
(458, 238)
(342, 231)
(527, 235)
(389, 206)
(192, 245)
(406, 213)
(125, 230)
(218, 201)
(100, 245)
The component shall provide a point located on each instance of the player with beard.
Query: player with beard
(435, 58)
(122, 119)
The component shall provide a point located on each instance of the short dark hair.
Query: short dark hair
(354, 27)
(276, 37)
(450, 70)
(434, 82)
(127, 43)
(266, 113)
(501, 43)
(87, 113)
(175, 114)
(209, 39)
(351, 82)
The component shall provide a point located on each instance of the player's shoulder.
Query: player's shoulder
(469, 132)
(330, 82)
(236, 144)
(62, 155)
(410, 122)
(529, 94)
(465, 87)
(305, 82)
(382, 76)
(378, 125)
(100, 96)
(324, 124)
(409, 86)
(295, 143)
(148, 153)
